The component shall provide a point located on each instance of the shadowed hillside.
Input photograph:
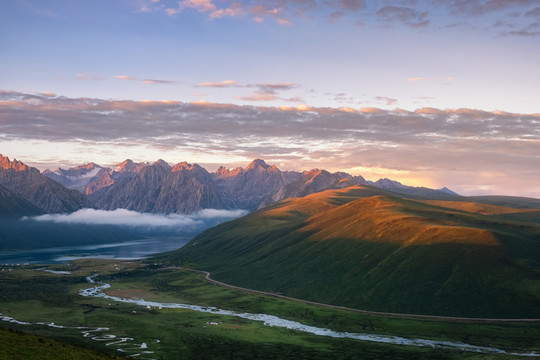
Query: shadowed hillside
(368, 248)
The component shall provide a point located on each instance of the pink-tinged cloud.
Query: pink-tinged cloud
(371, 110)
(123, 77)
(284, 22)
(158, 82)
(220, 84)
(236, 9)
(209, 7)
(200, 5)
(258, 96)
(146, 81)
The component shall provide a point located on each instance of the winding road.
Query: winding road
(367, 312)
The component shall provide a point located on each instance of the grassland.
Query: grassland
(35, 296)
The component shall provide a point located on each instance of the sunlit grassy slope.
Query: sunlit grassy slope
(367, 248)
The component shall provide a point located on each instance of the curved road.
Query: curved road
(415, 316)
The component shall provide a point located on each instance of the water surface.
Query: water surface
(130, 250)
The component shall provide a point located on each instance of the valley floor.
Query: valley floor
(119, 322)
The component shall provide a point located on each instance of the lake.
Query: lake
(130, 250)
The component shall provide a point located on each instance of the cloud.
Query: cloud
(481, 7)
(386, 100)
(436, 14)
(533, 13)
(258, 96)
(122, 217)
(403, 15)
(145, 81)
(123, 77)
(209, 7)
(224, 83)
(264, 92)
(448, 145)
(284, 22)
(347, 5)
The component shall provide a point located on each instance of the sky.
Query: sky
(430, 93)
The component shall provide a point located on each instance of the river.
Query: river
(271, 320)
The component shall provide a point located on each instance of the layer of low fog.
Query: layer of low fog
(146, 223)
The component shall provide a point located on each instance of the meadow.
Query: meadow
(32, 295)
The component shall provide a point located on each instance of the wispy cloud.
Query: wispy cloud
(145, 81)
(480, 7)
(209, 7)
(220, 84)
(403, 15)
(412, 13)
(264, 92)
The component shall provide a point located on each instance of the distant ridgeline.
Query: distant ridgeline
(183, 188)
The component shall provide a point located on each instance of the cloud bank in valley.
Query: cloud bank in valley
(121, 217)
(472, 151)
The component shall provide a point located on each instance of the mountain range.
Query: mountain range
(183, 188)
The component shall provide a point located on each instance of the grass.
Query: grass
(185, 334)
(20, 346)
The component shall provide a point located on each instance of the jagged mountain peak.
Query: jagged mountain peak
(129, 166)
(124, 165)
(223, 172)
(163, 163)
(89, 166)
(16, 165)
(257, 163)
(184, 165)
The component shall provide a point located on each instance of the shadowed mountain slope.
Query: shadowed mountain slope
(28, 183)
(368, 248)
(12, 205)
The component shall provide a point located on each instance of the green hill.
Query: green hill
(367, 248)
